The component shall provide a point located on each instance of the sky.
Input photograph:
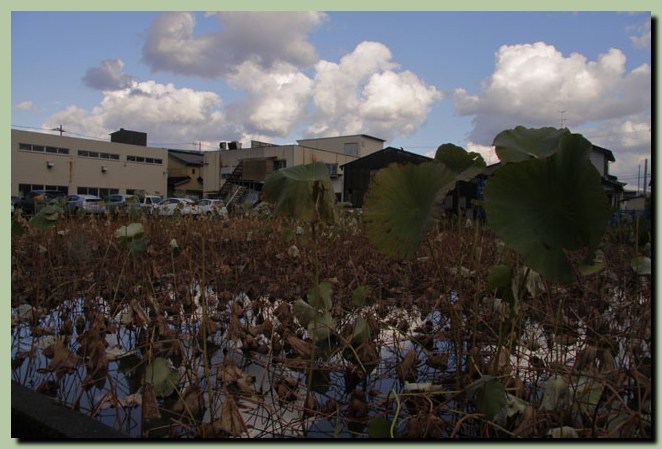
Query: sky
(415, 79)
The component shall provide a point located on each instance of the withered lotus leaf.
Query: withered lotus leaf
(191, 403)
(407, 371)
(236, 379)
(231, 420)
(64, 361)
(150, 406)
(299, 346)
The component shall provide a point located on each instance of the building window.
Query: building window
(98, 155)
(280, 163)
(42, 149)
(333, 169)
(144, 160)
(101, 192)
(352, 149)
(25, 188)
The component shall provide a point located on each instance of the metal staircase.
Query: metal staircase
(236, 195)
(231, 182)
(233, 191)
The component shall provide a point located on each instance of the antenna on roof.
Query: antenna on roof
(563, 120)
(59, 129)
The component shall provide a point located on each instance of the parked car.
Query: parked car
(120, 203)
(123, 202)
(34, 200)
(86, 204)
(212, 207)
(148, 203)
(183, 206)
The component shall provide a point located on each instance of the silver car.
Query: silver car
(212, 207)
(172, 206)
(84, 204)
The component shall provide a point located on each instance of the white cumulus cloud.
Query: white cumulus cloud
(285, 91)
(364, 93)
(277, 98)
(535, 85)
(163, 111)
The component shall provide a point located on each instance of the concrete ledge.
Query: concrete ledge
(35, 416)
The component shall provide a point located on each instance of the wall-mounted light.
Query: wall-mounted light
(50, 164)
(104, 169)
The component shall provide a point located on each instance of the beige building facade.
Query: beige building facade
(84, 166)
(261, 159)
(124, 164)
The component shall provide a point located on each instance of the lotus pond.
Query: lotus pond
(204, 329)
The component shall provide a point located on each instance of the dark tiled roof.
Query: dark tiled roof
(175, 180)
(607, 153)
(377, 154)
(188, 157)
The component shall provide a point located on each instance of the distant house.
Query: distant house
(635, 204)
(358, 173)
(185, 173)
(601, 157)
(462, 200)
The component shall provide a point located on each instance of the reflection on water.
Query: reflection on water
(273, 401)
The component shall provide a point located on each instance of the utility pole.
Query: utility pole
(639, 180)
(59, 129)
(645, 174)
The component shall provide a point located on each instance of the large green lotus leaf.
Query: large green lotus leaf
(303, 312)
(543, 207)
(322, 326)
(556, 395)
(489, 394)
(162, 376)
(464, 165)
(520, 144)
(139, 245)
(642, 265)
(303, 192)
(320, 296)
(359, 295)
(361, 332)
(130, 231)
(48, 216)
(379, 427)
(588, 393)
(402, 203)
(499, 276)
